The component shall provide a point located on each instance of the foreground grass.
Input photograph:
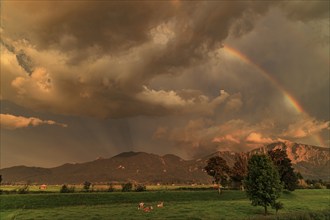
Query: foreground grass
(301, 204)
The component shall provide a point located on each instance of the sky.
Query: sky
(88, 79)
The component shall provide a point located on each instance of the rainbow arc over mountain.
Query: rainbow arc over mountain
(286, 94)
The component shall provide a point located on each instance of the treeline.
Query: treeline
(86, 187)
(125, 187)
(234, 176)
(262, 176)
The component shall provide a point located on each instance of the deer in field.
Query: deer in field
(141, 205)
(148, 209)
(160, 205)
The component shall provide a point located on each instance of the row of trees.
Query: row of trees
(218, 168)
(87, 187)
(262, 176)
(126, 187)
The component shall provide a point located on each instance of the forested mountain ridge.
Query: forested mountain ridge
(311, 161)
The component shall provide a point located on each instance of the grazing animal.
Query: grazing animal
(141, 205)
(148, 209)
(160, 205)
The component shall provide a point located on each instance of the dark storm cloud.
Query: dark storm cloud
(116, 25)
(8, 47)
(306, 10)
(112, 26)
(22, 59)
(83, 30)
(120, 47)
(25, 62)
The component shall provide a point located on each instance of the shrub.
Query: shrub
(111, 188)
(23, 190)
(140, 188)
(328, 185)
(87, 186)
(318, 186)
(127, 187)
(66, 189)
(277, 206)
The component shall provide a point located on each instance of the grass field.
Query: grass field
(206, 204)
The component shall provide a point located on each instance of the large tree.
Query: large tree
(262, 182)
(288, 177)
(217, 168)
(239, 170)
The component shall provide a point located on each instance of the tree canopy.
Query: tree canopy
(262, 182)
(239, 170)
(217, 168)
(288, 177)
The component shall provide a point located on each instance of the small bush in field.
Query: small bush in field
(318, 186)
(277, 206)
(127, 187)
(140, 188)
(66, 189)
(111, 188)
(87, 186)
(328, 185)
(23, 190)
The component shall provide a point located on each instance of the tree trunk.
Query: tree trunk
(219, 189)
(265, 210)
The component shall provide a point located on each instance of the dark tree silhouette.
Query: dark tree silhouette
(283, 164)
(87, 186)
(127, 187)
(239, 170)
(217, 168)
(299, 176)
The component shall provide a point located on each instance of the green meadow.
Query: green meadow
(178, 204)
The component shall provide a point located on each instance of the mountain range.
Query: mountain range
(311, 161)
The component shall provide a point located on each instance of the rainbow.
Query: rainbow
(288, 97)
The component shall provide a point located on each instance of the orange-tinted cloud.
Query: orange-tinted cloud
(12, 122)
(305, 127)
(255, 137)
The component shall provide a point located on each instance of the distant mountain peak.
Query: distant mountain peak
(171, 156)
(128, 154)
(299, 153)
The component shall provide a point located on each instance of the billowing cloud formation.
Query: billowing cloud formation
(183, 101)
(108, 61)
(106, 87)
(258, 139)
(203, 135)
(12, 122)
(306, 11)
(306, 127)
